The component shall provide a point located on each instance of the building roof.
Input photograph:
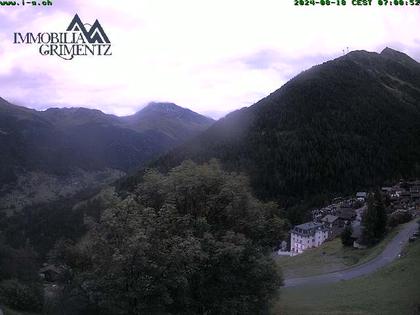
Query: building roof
(414, 183)
(329, 218)
(308, 225)
(50, 268)
(308, 228)
(346, 213)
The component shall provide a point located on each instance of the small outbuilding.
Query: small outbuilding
(357, 237)
(51, 273)
(346, 215)
(361, 196)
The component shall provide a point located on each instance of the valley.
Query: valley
(169, 212)
(48, 155)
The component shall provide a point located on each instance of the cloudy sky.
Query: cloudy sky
(212, 56)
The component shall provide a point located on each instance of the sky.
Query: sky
(212, 56)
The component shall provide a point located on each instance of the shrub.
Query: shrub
(21, 296)
(399, 217)
(346, 238)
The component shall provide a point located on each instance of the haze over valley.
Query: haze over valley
(168, 211)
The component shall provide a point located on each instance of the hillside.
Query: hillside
(365, 295)
(170, 119)
(58, 144)
(347, 124)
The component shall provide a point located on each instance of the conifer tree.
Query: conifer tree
(374, 219)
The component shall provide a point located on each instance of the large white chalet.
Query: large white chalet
(306, 236)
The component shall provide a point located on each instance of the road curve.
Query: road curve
(390, 253)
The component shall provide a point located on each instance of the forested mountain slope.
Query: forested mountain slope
(77, 147)
(347, 124)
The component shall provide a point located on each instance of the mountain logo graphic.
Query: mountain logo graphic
(94, 35)
(80, 39)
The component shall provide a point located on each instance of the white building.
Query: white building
(361, 196)
(307, 235)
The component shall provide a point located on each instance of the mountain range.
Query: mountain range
(62, 142)
(350, 123)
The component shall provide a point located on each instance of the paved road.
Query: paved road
(390, 253)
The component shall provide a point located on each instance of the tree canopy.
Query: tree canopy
(374, 219)
(193, 241)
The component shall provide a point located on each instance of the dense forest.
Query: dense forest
(28, 237)
(59, 140)
(53, 154)
(348, 124)
(193, 241)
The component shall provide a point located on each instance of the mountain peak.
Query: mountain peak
(7, 106)
(73, 110)
(4, 102)
(391, 52)
(360, 56)
(163, 107)
(336, 112)
(360, 53)
(169, 118)
(396, 55)
(171, 110)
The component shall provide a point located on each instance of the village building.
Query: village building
(393, 193)
(51, 273)
(333, 224)
(307, 235)
(361, 196)
(405, 199)
(346, 216)
(357, 236)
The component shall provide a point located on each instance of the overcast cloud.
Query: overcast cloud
(212, 56)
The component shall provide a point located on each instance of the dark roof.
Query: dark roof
(308, 228)
(346, 213)
(329, 218)
(308, 225)
(50, 268)
(415, 183)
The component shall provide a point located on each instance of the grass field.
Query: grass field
(393, 290)
(329, 257)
